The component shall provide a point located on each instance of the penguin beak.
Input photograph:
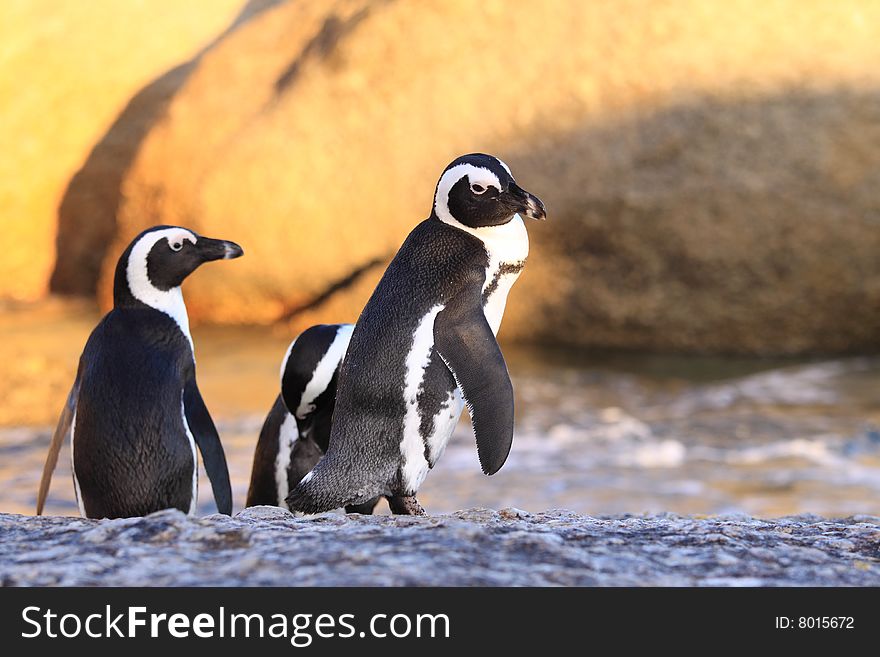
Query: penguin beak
(210, 249)
(523, 203)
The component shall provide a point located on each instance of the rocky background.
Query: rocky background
(267, 546)
(67, 72)
(711, 170)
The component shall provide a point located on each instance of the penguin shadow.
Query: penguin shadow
(87, 214)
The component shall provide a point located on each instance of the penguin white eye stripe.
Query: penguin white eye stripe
(475, 175)
(142, 288)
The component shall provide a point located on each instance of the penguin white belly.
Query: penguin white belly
(444, 424)
(503, 276)
(79, 498)
(288, 434)
(414, 466)
(508, 247)
(192, 445)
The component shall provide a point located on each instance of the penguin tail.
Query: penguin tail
(317, 493)
(340, 478)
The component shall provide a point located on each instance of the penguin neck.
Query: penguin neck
(143, 294)
(507, 242)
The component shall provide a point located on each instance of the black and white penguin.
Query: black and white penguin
(425, 345)
(296, 431)
(135, 414)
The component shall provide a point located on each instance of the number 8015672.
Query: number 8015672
(815, 622)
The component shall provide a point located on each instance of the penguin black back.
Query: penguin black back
(135, 365)
(135, 414)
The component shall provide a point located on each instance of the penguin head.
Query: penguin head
(159, 259)
(478, 190)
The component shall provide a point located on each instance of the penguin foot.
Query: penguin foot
(405, 505)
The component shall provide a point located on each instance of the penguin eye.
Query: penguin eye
(176, 246)
(477, 189)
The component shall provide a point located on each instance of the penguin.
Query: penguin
(135, 414)
(424, 346)
(296, 431)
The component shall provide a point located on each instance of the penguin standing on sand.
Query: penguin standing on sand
(135, 414)
(424, 345)
(296, 432)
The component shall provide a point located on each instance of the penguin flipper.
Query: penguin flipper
(466, 343)
(205, 434)
(61, 430)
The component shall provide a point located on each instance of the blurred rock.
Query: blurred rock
(68, 69)
(748, 226)
(710, 169)
(268, 546)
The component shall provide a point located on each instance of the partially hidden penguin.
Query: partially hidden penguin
(135, 414)
(424, 346)
(296, 432)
